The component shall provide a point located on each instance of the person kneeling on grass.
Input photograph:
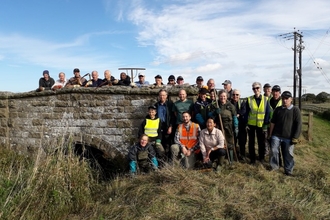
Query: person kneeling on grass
(186, 147)
(211, 142)
(142, 156)
(151, 126)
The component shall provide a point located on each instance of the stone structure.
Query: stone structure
(107, 118)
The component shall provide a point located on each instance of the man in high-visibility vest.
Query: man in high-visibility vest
(257, 115)
(186, 141)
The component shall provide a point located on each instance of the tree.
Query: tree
(322, 97)
(308, 97)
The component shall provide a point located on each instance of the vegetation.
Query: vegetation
(60, 186)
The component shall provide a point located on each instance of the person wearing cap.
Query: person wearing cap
(76, 80)
(257, 117)
(61, 82)
(199, 83)
(185, 149)
(109, 80)
(158, 81)
(241, 137)
(167, 119)
(171, 80)
(151, 126)
(285, 129)
(179, 80)
(142, 156)
(125, 80)
(141, 82)
(46, 82)
(267, 90)
(274, 102)
(227, 85)
(200, 108)
(95, 81)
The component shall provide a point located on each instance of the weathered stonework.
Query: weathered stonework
(105, 117)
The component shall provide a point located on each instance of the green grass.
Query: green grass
(59, 186)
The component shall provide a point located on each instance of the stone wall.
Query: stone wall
(105, 117)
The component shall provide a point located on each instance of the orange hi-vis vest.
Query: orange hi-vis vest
(189, 137)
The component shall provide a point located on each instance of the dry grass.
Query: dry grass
(62, 187)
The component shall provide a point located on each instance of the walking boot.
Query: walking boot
(231, 155)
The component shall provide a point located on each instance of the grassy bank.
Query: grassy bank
(59, 186)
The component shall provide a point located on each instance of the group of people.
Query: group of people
(184, 132)
(208, 130)
(48, 83)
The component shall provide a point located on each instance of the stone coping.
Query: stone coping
(125, 90)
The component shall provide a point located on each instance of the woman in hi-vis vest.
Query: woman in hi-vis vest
(257, 115)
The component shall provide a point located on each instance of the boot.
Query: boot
(222, 160)
(231, 155)
(219, 162)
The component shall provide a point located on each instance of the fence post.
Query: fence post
(310, 126)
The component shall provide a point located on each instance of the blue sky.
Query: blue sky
(237, 40)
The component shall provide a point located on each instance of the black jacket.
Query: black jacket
(170, 118)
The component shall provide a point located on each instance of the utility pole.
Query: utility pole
(297, 72)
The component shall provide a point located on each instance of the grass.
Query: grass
(60, 186)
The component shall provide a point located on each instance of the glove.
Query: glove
(264, 128)
(236, 131)
(158, 142)
(154, 162)
(132, 167)
(294, 141)
(217, 110)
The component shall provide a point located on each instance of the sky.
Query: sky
(244, 41)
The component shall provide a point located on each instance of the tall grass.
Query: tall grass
(60, 186)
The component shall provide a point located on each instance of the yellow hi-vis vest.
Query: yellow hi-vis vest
(279, 103)
(151, 127)
(257, 113)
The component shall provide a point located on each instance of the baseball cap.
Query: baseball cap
(276, 88)
(141, 74)
(171, 77)
(179, 78)
(227, 81)
(286, 94)
(76, 70)
(158, 77)
(199, 78)
(267, 85)
(45, 72)
(152, 107)
(203, 91)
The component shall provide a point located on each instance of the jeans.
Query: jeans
(287, 153)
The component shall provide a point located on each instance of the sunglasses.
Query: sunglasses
(255, 88)
(236, 94)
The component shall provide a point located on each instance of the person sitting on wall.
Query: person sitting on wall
(109, 80)
(151, 126)
(158, 82)
(125, 80)
(142, 156)
(45, 82)
(171, 81)
(95, 81)
(142, 82)
(76, 80)
(60, 83)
